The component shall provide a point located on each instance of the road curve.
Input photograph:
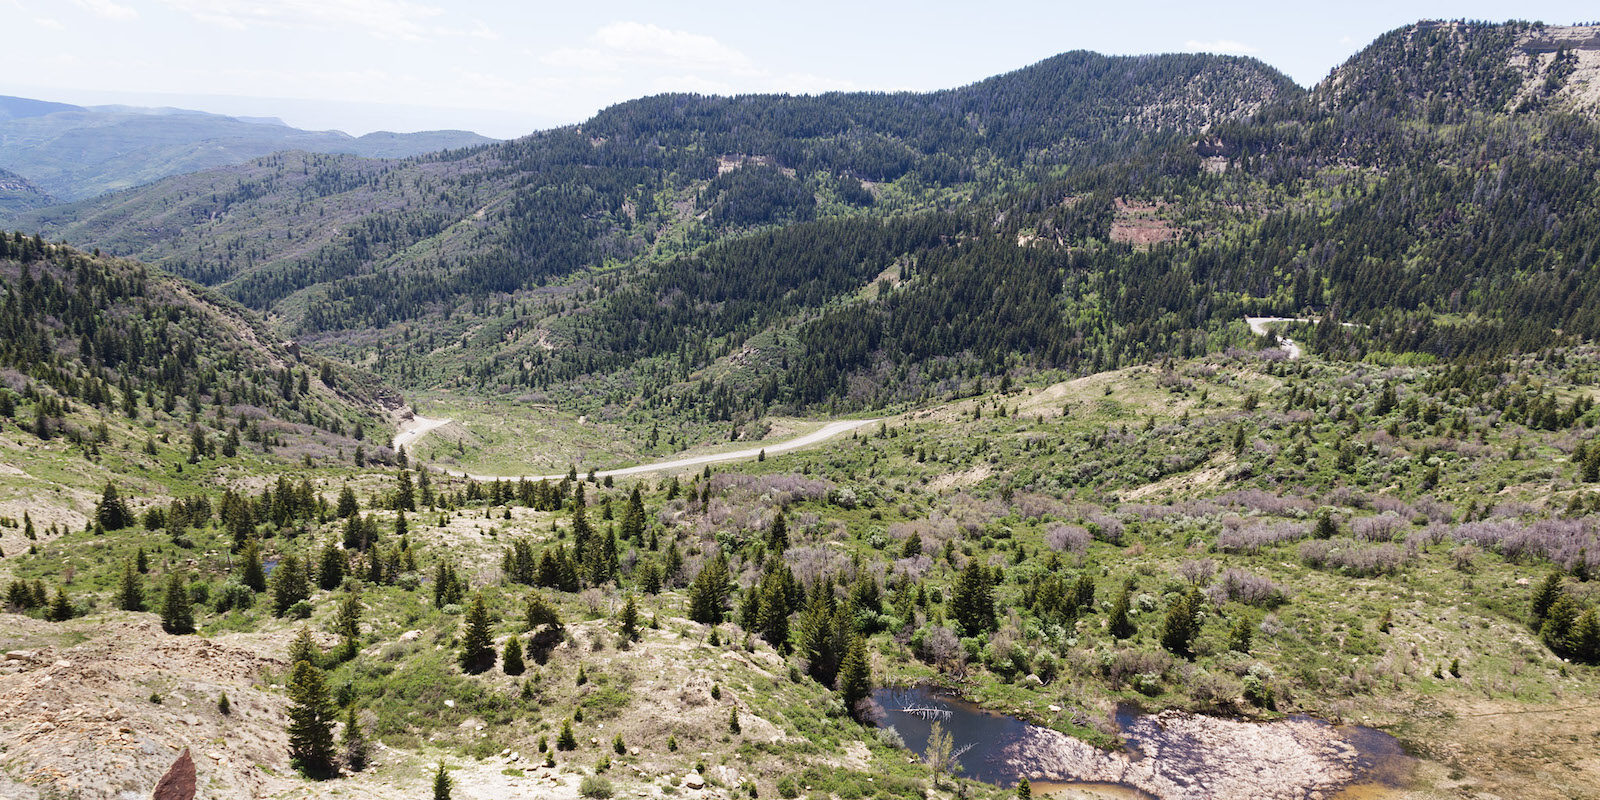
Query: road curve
(416, 428)
(1258, 326)
(822, 434)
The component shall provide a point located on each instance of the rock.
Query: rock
(410, 636)
(450, 704)
(179, 782)
(20, 655)
(694, 781)
(1053, 708)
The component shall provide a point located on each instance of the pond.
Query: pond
(1171, 755)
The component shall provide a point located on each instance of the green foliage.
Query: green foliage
(353, 742)
(511, 660)
(177, 614)
(1182, 624)
(288, 584)
(595, 786)
(855, 677)
(441, 783)
(1120, 623)
(972, 604)
(708, 594)
(310, 722)
(130, 592)
(477, 643)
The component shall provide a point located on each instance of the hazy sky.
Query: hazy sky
(508, 67)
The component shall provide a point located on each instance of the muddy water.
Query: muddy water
(1168, 756)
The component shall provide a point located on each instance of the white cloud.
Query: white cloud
(385, 19)
(633, 44)
(1226, 46)
(107, 9)
(47, 22)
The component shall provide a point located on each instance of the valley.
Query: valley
(1155, 426)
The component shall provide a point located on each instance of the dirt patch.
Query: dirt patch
(1507, 748)
(79, 719)
(1207, 475)
(956, 480)
(1140, 224)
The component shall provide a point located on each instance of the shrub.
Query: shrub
(1247, 588)
(595, 786)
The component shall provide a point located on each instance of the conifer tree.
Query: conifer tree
(331, 568)
(1182, 623)
(303, 647)
(61, 608)
(855, 676)
(541, 613)
(1584, 640)
(477, 643)
(708, 594)
(250, 572)
(110, 512)
(778, 534)
(130, 596)
(1543, 598)
(511, 659)
(177, 615)
(1240, 636)
(310, 722)
(1120, 624)
(288, 584)
(566, 740)
(973, 602)
(441, 784)
(353, 742)
(348, 506)
(633, 519)
(1558, 624)
(347, 624)
(1325, 528)
(629, 618)
(405, 498)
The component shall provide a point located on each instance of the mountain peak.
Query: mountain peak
(1439, 67)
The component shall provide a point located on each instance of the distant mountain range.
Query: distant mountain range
(66, 152)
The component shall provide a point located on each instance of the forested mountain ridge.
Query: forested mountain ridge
(1439, 70)
(141, 375)
(746, 253)
(75, 152)
(505, 217)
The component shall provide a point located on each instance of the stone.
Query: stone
(694, 781)
(179, 782)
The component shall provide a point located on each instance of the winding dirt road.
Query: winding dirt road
(1258, 326)
(416, 427)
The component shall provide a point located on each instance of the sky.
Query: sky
(505, 68)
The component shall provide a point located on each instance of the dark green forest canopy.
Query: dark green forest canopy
(866, 248)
